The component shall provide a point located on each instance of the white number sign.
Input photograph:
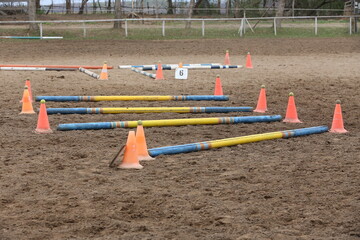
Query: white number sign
(181, 73)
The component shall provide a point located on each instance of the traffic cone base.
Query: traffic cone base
(335, 130)
(39, 130)
(130, 166)
(218, 87)
(130, 159)
(262, 104)
(292, 120)
(248, 61)
(337, 125)
(104, 72)
(142, 150)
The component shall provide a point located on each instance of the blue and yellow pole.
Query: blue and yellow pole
(148, 110)
(194, 147)
(132, 98)
(167, 122)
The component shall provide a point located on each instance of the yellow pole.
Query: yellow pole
(132, 98)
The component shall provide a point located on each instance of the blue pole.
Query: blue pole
(193, 147)
(130, 124)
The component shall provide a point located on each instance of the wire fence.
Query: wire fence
(185, 28)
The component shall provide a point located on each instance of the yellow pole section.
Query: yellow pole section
(175, 122)
(146, 110)
(132, 98)
(245, 139)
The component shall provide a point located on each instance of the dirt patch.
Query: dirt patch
(59, 186)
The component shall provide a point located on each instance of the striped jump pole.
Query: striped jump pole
(54, 66)
(35, 69)
(88, 72)
(148, 110)
(144, 73)
(167, 122)
(166, 65)
(132, 98)
(193, 67)
(194, 147)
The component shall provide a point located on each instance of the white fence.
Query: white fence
(242, 23)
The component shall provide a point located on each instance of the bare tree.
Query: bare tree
(170, 7)
(109, 6)
(32, 15)
(82, 6)
(280, 12)
(118, 14)
(68, 6)
(38, 4)
(190, 12)
(219, 6)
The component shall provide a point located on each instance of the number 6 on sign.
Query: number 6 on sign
(181, 73)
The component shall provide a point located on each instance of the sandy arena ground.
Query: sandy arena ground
(59, 186)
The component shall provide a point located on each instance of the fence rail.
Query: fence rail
(242, 23)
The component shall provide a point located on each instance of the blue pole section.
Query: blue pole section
(59, 98)
(227, 109)
(67, 110)
(193, 147)
(166, 122)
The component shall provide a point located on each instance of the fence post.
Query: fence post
(126, 29)
(350, 27)
(203, 28)
(163, 28)
(41, 31)
(275, 26)
(84, 30)
(241, 27)
(316, 26)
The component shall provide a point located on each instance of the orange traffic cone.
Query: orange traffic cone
(130, 159)
(218, 86)
(227, 58)
(248, 61)
(159, 72)
(27, 107)
(28, 84)
(180, 65)
(43, 125)
(261, 105)
(338, 123)
(141, 146)
(104, 72)
(291, 113)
